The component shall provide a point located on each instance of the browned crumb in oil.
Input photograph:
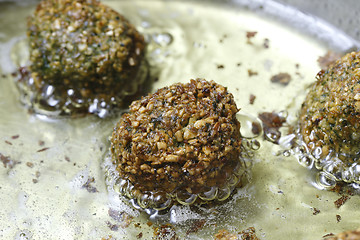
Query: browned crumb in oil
(343, 188)
(197, 225)
(88, 185)
(252, 99)
(272, 119)
(220, 66)
(281, 78)
(338, 188)
(341, 201)
(247, 234)
(326, 236)
(252, 73)
(30, 164)
(42, 149)
(15, 136)
(249, 36)
(316, 211)
(271, 125)
(166, 231)
(255, 128)
(338, 218)
(326, 60)
(139, 236)
(8, 142)
(122, 218)
(7, 161)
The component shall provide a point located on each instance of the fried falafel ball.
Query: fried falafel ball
(180, 143)
(83, 55)
(330, 118)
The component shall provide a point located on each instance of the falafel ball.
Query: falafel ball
(182, 142)
(330, 117)
(85, 52)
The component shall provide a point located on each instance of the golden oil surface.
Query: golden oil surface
(52, 177)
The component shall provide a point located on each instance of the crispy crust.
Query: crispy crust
(86, 47)
(329, 119)
(182, 137)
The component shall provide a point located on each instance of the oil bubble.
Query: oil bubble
(250, 126)
(273, 135)
(325, 180)
(335, 168)
(306, 161)
(186, 198)
(162, 39)
(255, 145)
(23, 235)
(286, 153)
(356, 173)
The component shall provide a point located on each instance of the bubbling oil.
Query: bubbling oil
(330, 168)
(57, 101)
(161, 205)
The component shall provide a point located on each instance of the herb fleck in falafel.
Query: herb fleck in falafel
(330, 118)
(86, 53)
(182, 142)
